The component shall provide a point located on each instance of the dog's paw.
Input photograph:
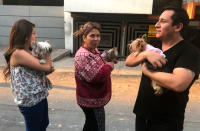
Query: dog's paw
(158, 91)
(42, 61)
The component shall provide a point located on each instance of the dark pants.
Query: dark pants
(156, 125)
(36, 117)
(94, 119)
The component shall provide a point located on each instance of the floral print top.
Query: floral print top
(29, 86)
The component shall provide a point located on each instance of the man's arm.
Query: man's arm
(154, 58)
(177, 81)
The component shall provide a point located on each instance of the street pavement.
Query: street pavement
(64, 113)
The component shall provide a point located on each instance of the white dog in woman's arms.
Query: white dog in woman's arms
(41, 50)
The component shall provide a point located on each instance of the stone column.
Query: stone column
(68, 25)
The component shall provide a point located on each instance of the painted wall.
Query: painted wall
(110, 6)
(49, 21)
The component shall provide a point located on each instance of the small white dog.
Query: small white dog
(41, 50)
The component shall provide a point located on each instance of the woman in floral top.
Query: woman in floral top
(92, 74)
(27, 76)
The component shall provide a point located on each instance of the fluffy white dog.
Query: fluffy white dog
(41, 50)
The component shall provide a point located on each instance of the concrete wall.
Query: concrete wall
(49, 21)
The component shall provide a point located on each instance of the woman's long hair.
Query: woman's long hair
(20, 32)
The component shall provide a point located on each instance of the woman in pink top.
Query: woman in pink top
(92, 74)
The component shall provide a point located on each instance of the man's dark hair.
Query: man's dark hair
(180, 16)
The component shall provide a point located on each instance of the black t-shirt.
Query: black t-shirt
(170, 105)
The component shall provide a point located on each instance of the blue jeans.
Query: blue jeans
(36, 117)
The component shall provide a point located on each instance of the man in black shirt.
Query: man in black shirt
(181, 69)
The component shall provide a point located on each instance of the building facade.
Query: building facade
(120, 25)
(122, 21)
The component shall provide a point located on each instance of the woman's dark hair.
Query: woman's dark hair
(20, 32)
(86, 28)
(180, 16)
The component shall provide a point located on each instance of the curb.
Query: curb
(58, 54)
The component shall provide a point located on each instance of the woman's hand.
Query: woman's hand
(52, 70)
(111, 64)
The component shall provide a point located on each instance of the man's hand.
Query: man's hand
(145, 69)
(155, 59)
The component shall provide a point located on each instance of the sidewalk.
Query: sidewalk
(63, 62)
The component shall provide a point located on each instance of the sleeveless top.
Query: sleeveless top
(29, 86)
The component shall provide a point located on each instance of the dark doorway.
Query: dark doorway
(117, 29)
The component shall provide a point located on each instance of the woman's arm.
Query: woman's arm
(92, 70)
(103, 74)
(22, 57)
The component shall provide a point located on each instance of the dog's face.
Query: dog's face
(113, 52)
(41, 49)
(112, 55)
(138, 45)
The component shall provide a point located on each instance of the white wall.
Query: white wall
(68, 31)
(1, 2)
(109, 6)
(49, 21)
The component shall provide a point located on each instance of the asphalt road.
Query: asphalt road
(65, 115)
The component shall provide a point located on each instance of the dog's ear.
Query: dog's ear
(48, 41)
(144, 36)
(132, 46)
(33, 45)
